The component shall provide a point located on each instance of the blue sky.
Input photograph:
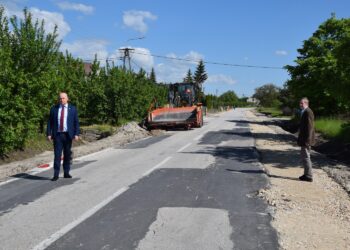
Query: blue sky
(250, 32)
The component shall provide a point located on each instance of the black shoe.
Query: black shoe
(305, 178)
(55, 178)
(67, 176)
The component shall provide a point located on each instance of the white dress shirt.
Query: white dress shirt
(65, 128)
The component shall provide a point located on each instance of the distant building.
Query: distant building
(253, 100)
(87, 68)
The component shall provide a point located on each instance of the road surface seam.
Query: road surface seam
(68, 227)
(157, 166)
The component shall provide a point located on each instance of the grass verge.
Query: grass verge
(333, 128)
(273, 111)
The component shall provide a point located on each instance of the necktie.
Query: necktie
(62, 119)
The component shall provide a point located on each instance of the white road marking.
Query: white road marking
(184, 147)
(33, 171)
(157, 166)
(8, 181)
(44, 244)
(198, 137)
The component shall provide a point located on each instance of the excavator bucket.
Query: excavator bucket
(185, 117)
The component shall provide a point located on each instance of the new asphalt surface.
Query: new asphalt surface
(185, 190)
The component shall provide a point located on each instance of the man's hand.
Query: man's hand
(76, 138)
(49, 138)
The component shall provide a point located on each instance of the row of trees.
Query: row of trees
(33, 71)
(229, 98)
(321, 72)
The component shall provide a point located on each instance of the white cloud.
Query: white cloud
(176, 70)
(86, 9)
(221, 79)
(86, 49)
(281, 52)
(142, 57)
(135, 19)
(50, 18)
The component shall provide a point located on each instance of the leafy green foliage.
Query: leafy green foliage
(229, 98)
(268, 95)
(33, 72)
(322, 70)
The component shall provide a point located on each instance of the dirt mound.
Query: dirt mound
(132, 128)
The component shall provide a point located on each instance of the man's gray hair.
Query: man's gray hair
(305, 100)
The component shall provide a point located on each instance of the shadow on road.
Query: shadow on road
(31, 177)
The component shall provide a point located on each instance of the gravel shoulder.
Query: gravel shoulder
(125, 134)
(306, 215)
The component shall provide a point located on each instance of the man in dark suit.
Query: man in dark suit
(62, 128)
(306, 138)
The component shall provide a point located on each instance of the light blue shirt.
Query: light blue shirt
(303, 110)
(65, 129)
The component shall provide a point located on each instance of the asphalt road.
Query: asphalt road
(184, 190)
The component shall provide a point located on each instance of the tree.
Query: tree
(27, 77)
(188, 78)
(268, 95)
(322, 68)
(200, 76)
(33, 72)
(229, 98)
(152, 76)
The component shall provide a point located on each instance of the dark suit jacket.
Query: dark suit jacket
(73, 127)
(307, 131)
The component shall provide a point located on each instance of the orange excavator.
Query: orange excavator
(183, 110)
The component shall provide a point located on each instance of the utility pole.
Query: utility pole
(126, 57)
(126, 53)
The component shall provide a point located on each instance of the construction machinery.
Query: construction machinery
(183, 110)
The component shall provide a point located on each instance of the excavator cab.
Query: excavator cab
(182, 110)
(181, 95)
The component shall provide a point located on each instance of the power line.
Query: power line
(192, 60)
(207, 62)
(133, 62)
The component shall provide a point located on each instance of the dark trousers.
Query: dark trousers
(62, 142)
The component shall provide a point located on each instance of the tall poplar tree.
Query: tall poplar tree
(152, 76)
(188, 78)
(200, 76)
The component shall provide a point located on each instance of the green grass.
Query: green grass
(38, 142)
(273, 111)
(333, 128)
